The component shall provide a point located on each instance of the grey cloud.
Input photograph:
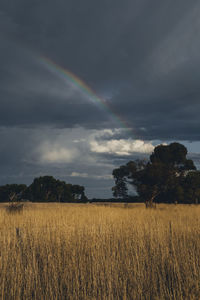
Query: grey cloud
(24, 157)
(99, 40)
(147, 51)
(31, 95)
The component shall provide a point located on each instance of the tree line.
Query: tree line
(168, 177)
(43, 189)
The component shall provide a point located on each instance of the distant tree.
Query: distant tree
(49, 189)
(42, 189)
(78, 193)
(120, 189)
(8, 190)
(163, 179)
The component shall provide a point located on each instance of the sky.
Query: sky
(86, 86)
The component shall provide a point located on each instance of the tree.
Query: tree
(9, 190)
(173, 155)
(43, 189)
(120, 189)
(192, 187)
(162, 179)
(48, 189)
(78, 193)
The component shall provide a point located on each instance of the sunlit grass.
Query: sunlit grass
(65, 251)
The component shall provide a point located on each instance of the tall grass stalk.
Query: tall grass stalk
(63, 251)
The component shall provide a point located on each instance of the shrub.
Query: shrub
(15, 207)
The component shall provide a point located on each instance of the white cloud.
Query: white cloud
(121, 147)
(57, 154)
(79, 141)
(86, 175)
(77, 174)
(107, 132)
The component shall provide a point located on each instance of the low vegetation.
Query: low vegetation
(15, 207)
(77, 251)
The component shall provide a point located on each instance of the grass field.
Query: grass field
(66, 251)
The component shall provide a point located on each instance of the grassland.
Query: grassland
(63, 251)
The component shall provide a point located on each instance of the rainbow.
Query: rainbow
(80, 84)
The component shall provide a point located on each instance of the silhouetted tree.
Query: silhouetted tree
(8, 190)
(120, 189)
(192, 187)
(48, 189)
(164, 178)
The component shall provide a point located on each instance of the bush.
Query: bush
(15, 207)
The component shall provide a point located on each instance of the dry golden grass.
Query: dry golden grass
(63, 251)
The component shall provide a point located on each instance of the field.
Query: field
(66, 251)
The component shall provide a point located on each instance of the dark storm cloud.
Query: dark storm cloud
(168, 107)
(144, 50)
(31, 95)
(99, 39)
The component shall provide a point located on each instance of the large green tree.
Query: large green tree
(166, 177)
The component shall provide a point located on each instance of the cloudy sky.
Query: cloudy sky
(86, 86)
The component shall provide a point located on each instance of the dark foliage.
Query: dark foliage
(11, 192)
(43, 189)
(168, 177)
